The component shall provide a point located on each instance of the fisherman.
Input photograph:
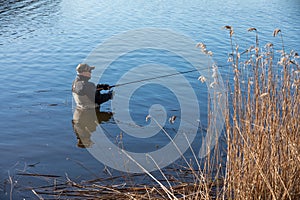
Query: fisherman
(88, 97)
(85, 93)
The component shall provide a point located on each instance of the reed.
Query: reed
(263, 143)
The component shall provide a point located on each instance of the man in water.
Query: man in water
(85, 93)
(87, 115)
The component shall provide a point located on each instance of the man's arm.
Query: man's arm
(101, 98)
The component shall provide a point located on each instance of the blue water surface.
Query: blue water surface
(41, 43)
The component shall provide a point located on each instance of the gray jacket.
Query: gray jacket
(86, 95)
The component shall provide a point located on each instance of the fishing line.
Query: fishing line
(152, 78)
(158, 77)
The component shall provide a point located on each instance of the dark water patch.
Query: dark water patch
(40, 91)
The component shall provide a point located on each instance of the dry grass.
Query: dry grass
(262, 135)
(263, 132)
(181, 187)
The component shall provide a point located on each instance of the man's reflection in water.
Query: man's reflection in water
(85, 122)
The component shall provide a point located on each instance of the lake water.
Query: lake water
(41, 43)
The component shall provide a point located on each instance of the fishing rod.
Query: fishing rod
(152, 78)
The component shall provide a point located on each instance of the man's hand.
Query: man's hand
(111, 94)
(102, 87)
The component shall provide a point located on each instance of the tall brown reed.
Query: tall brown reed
(263, 132)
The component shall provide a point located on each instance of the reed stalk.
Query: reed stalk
(263, 131)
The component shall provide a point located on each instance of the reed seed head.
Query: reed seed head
(172, 119)
(230, 59)
(148, 117)
(202, 79)
(252, 29)
(282, 61)
(276, 31)
(201, 45)
(231, 32)
(227, 27)
(269, 45)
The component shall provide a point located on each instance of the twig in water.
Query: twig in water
(11, 186)
(36, 194)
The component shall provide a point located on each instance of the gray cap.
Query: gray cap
(84, 68)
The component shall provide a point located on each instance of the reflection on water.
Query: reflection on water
(85, 122)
